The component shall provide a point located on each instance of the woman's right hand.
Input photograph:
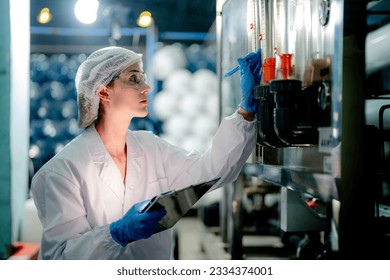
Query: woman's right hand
(135, 224)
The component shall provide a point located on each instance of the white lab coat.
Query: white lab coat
(80, 192)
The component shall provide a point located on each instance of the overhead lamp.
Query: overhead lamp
(145, 19)
(44, 16)
(86, 10)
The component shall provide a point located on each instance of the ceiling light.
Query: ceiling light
(44, 16)
(145, 19)
(86, 11)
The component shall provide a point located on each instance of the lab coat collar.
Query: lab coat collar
(107, 170)
(135, 160)
(95, 145)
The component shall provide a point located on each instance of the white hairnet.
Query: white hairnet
(96, 72)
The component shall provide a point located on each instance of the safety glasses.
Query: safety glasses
(133, 79)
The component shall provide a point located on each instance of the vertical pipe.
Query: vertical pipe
(219, 37)
(268, 28)
(356, 230)
(14, 131)
(20, 109)
(254, 16)
(5, 159)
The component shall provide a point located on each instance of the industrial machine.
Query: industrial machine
(322, 129)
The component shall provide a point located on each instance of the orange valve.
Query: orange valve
(286, 65)
(269, 69)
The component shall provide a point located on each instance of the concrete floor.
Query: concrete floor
(197, 242)
(191, 232)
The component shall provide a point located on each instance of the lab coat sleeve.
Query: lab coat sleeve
(231, 146)
(66, 231)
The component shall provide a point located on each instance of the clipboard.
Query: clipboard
(177, 203)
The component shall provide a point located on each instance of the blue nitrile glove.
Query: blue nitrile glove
(135, 225)
(250, 66)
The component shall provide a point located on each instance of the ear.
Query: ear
(104, 95)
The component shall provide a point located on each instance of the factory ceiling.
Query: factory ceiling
(179, 16)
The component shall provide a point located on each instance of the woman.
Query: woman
(89, 195)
